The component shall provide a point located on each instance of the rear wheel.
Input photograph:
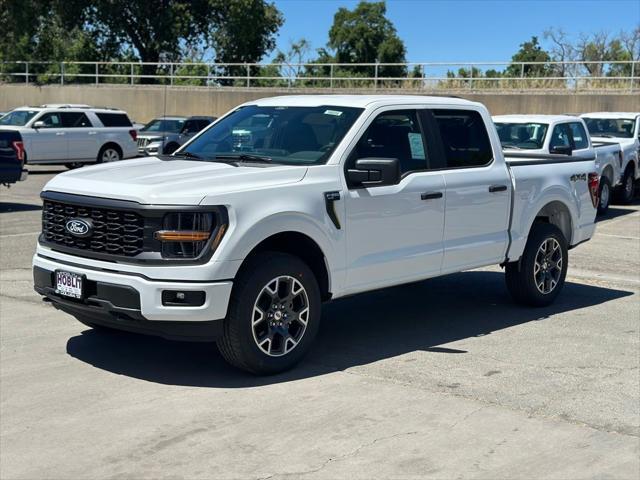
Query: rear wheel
(538, 277)
(605, 195)
(73, 165)
(625, 190)
(108, 153)
(274, 314)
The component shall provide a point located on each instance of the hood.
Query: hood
(170, 182)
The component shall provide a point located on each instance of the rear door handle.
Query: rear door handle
(430, 195)
(497, 188)
(93, 133)
(59, 133)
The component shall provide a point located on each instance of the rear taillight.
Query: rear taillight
(594, 184)
(19, 148)
(134, 134)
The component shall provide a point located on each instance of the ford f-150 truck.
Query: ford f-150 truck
(562, 135)
(240, 238)
(623, 128)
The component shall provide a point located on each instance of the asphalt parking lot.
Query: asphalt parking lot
(440, 379)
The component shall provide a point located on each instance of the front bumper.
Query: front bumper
(134, 302)
(153, 148)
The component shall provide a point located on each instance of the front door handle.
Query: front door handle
(93, 133)
(497, 188)
(59, 133)
(430, 195)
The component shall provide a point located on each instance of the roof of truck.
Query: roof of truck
(360, 101)
(611, 114)
(532, 118)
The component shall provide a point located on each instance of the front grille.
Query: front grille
(142, 142)
(115, 232)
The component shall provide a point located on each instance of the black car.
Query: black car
(11, 157)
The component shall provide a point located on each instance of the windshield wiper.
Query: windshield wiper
(246, 157)
(188, 155)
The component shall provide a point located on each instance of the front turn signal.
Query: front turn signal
(181, 236)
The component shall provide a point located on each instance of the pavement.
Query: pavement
(439, 379)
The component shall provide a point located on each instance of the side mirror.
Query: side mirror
(374, 172)
(39, 124)
(562, 150)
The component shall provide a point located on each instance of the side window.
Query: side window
(560, 137)
(394, 134)
(51, 120)
(75, 120)
(465, 140)
(114, 119)
(580, 139)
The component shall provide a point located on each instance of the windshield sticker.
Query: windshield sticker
(335, 113)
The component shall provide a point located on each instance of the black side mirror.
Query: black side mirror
(374, 172)
(562, 150)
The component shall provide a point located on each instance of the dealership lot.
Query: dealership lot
(441, 378)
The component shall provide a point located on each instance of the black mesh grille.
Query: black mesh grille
(115, 232)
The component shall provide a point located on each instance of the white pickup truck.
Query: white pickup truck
(522, 135)
(623, 128)
(288, 202)
(72, 135)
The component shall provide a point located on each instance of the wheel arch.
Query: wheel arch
(556, 213)
(302, 246)
(108, 144)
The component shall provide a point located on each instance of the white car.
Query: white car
(72, 135)
(623, 128)
(240, 238)
(561, 135)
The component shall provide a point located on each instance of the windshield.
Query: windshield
(610, 127)
(290, 135)
(18, 118)
(163, 125)
(526, 136)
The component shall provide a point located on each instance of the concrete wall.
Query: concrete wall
(146, 102)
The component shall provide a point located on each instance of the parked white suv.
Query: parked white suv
(561, 135)
(288, 202)
(72, 135)
(623, 128)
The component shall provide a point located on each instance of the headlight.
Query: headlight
(189, 235)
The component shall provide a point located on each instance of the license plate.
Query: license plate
(69, 284)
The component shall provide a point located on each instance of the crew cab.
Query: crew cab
(11, 158)
(561, 135)
(623, 128)
(165, 135)
(240, 238)
(72, 134)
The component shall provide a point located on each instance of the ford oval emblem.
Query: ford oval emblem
(79, 227)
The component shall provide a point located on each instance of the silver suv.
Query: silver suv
(164, 135)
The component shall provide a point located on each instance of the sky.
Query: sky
(464, 30)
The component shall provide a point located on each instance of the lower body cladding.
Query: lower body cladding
(191, 311)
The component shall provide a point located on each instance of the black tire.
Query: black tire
(170, 148)
(624, 193)
(73, 165)
(239, 344)
(520, 277)
(605, 192)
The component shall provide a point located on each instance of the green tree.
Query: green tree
(366, 35)
(530, 51)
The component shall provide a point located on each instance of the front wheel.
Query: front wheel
(274, 314)
(605, 195)
(536, 280)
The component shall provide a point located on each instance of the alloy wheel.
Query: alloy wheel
(280, 315)
(110, 155)
(548, 266)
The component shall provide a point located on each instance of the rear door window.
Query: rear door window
(114, 119)
(75, 120)
(580, 139)
(465, 141)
